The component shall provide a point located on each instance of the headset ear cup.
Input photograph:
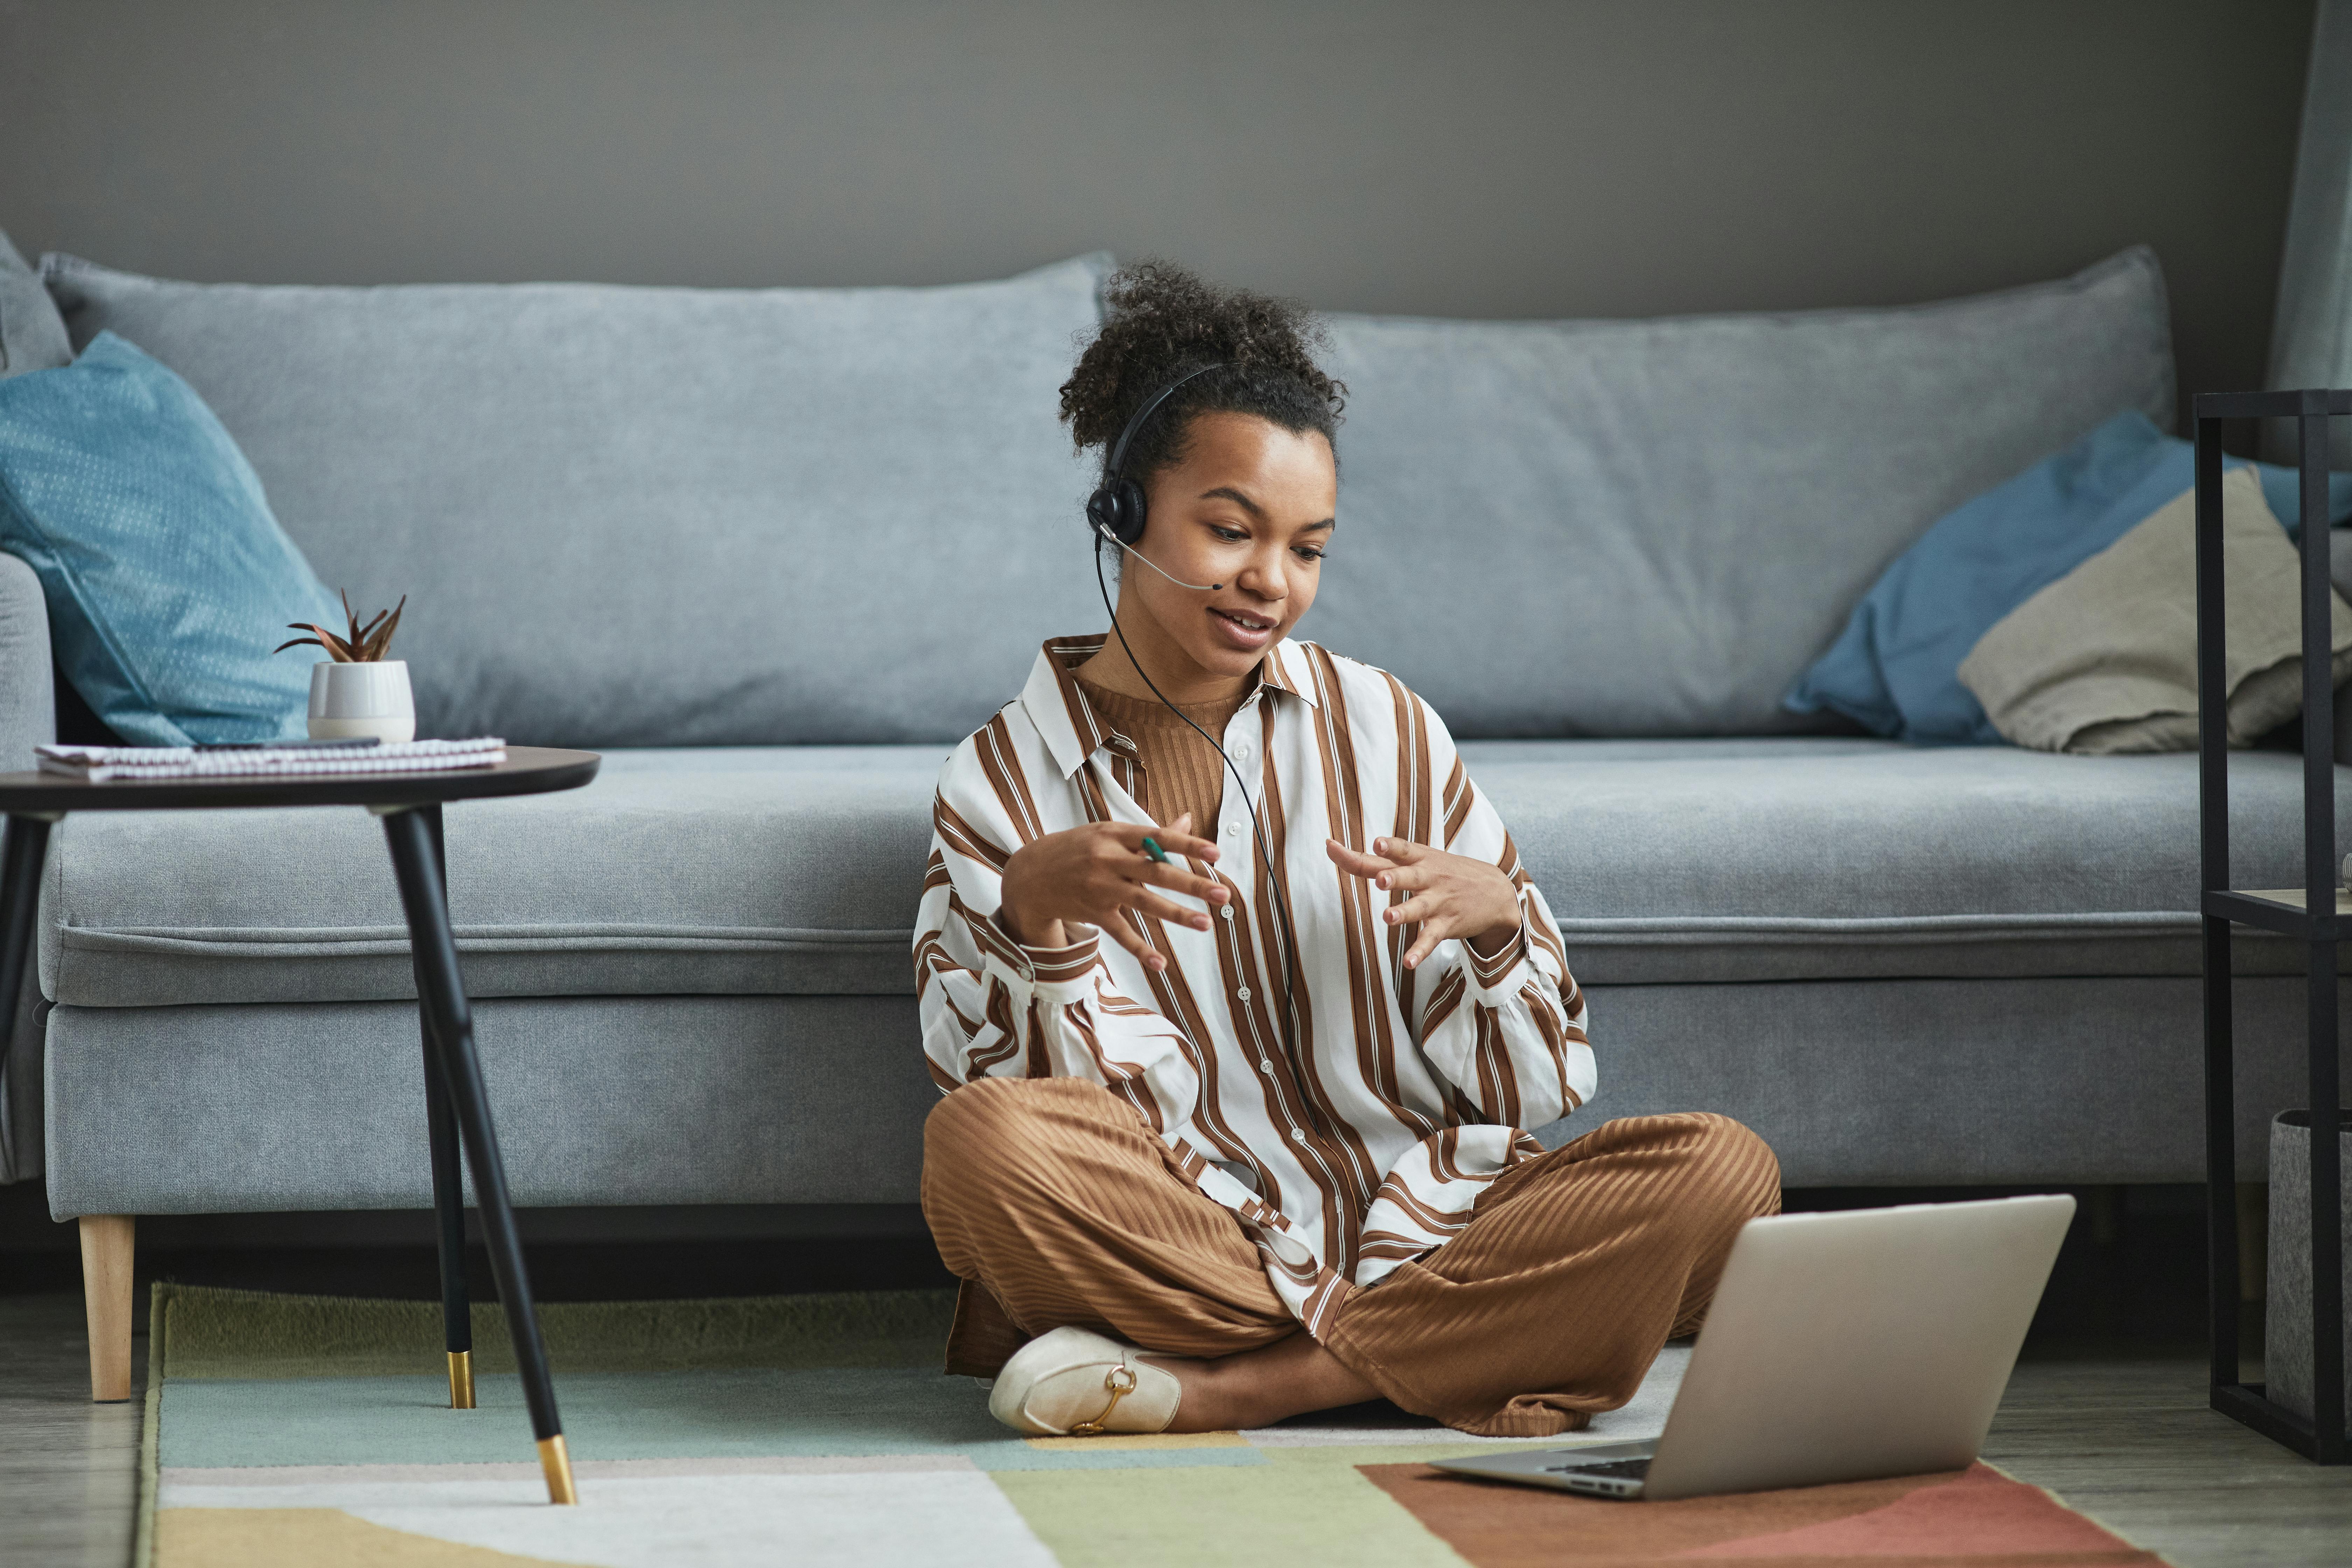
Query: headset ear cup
(1102, 512)
(1128, 507)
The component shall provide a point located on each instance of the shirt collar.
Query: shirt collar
(1067, 722)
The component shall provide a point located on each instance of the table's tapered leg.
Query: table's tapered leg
(450, 1033)
(449, 1220)
(448, 1181)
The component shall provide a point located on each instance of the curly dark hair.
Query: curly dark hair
(1162, 320)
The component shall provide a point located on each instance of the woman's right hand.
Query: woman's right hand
(1095, 874)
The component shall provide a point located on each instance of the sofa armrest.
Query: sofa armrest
(27, 714)
(29, 711)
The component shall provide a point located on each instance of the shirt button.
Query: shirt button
(1265, 1066)
(1298, 1135)
(1226, 911)
(1232, 830)
(1242, 993)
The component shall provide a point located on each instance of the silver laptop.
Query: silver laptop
(1840, 1347)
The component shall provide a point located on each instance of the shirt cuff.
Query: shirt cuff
(1068, 963)
(1059, 971)
(1494, 981)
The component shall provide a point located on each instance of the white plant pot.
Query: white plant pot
(349, 702)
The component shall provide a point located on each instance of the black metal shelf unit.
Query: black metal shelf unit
(2315, 922)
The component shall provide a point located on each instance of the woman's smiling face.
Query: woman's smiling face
(1249, 506)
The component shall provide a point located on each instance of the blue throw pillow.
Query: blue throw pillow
(167, 579)
(1895, 668)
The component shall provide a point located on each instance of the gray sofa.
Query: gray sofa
(773, 552)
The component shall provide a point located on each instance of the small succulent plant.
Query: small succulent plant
(362, 645)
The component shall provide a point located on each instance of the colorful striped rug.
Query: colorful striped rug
(817, 1430)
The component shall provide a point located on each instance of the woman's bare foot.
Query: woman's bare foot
(1259, 1387)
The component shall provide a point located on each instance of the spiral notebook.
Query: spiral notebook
(99, 763)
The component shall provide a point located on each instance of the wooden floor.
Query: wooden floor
(68, 1469)
(2127, 1441)
(2131, 1443)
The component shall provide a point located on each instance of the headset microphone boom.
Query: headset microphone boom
(1196, 587)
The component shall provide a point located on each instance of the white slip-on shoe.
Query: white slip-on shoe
(1072, 1383)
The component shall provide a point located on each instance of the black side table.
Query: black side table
(2310, 914)
(457, 1108)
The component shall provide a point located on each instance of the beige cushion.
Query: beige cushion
(2105, 660)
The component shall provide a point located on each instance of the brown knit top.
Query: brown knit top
(1181, 771)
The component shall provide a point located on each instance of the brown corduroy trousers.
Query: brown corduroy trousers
(1056, 1204)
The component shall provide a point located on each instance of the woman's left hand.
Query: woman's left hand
(1452, 895)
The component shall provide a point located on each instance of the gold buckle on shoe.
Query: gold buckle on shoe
(1117, 1391)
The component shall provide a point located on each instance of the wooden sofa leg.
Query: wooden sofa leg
(106, 1258)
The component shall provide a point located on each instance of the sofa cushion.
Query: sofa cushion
(1662, 523)
(1667, 519)
(629, 516)
(1893, 667)
(753, 871)
(797, 869)
(168, 582)
(2105, 659)
(1813, 858)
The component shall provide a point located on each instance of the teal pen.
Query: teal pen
(1152, 848)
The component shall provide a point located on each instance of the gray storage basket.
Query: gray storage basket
(2286, 1335)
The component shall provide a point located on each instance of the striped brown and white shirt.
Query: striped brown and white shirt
(1409, 1091)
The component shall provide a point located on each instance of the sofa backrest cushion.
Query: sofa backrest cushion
(1650, 528)
(635, 516)
(671, 516)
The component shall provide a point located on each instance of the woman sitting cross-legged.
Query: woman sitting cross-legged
(1241, 999)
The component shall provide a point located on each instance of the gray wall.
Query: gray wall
(1465, 158)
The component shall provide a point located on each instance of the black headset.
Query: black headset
(1116, 512)
(1118, 509)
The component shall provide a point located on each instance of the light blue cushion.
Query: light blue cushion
(1895, 668)
(168, 581)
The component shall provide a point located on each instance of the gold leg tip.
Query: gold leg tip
(461, 1380)
(556, 1461)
